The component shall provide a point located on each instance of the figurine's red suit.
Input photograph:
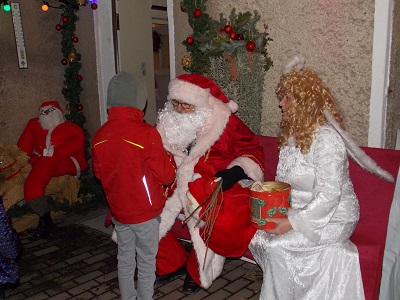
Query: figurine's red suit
(57, 150)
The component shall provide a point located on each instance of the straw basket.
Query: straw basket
(269, 199)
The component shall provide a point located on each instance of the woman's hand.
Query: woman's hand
(282, 225)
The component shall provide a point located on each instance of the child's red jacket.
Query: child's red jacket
(132, 165)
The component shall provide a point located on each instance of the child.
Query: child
(132, 165)
(10, 249)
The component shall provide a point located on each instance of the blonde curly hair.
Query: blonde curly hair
(305, 114)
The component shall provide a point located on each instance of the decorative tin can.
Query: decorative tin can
(269, 199)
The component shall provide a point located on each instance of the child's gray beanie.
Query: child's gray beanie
(126, 89)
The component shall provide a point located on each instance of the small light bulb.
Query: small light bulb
(45, 7)
(7, 7)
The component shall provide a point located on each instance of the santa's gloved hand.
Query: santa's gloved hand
(230, 176)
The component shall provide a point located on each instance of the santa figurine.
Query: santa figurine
(215, 153)
(55, 147)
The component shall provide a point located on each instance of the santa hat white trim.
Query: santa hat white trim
(187, 92)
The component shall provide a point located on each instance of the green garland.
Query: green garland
(71, 58)
(233, 53)
(200, 27)
(72, 83)
(212, 38)
(72, 89)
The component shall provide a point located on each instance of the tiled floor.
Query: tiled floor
(79, 262)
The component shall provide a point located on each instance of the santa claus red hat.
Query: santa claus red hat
(198, 90)
(54, 104)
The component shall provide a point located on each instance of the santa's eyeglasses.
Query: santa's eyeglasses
(45, 112)
(183, 104)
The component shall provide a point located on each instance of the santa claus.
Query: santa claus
(56, 147)
(209, 143)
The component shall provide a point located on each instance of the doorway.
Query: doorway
(108, 51)
(161, 53)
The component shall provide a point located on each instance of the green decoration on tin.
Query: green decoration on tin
(261, 222)
(271, 212)
(282, 210)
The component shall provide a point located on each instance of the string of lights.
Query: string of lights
(76, 3)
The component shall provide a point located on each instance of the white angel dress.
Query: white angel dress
(315, 260)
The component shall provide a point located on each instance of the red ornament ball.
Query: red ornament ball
(197, 13)
(190, 40)
(58, 27)
(79, 77)
(65, 19)
(250, 46)
(221, 30)
(228, 28)
(183, 8)
(64, 61)
(75, 39)
(232, 35)
(93, 6)
(240, 37)
(80, 107)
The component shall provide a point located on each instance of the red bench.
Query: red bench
(375, 196)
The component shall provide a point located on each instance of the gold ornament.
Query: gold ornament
(81, 2)
(187, 60)
(72, 56)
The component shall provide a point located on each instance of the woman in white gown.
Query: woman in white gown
(309, 255)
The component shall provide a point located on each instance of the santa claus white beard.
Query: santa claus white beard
(52, 120)
(181, 129)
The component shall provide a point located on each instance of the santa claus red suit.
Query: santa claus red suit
(210, 138)
(56, 147)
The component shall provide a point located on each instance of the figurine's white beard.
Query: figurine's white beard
(52, 120)
(181, 129)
